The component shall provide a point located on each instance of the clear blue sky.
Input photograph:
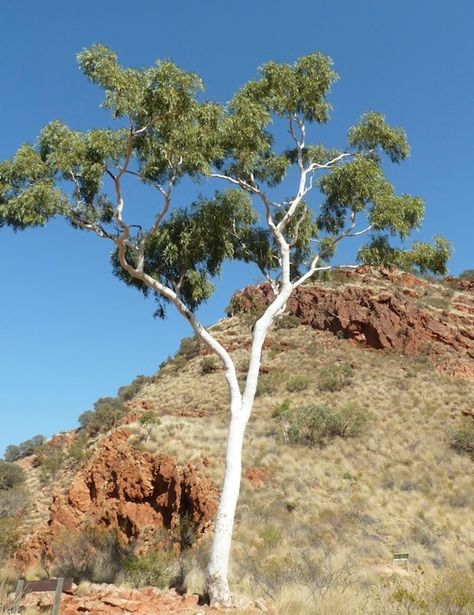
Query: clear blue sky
(69, 331)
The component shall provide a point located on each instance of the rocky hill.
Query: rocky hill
(358, 448)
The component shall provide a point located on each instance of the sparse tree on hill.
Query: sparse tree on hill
(165, 132)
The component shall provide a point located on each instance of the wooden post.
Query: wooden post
(57, 596)
(18, 596)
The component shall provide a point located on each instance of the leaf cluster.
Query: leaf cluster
(14, 452)
(187, 250)
(164, 132)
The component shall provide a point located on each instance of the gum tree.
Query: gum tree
(165, 132)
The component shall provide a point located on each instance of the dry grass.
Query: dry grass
(398, 486)
(342, 507)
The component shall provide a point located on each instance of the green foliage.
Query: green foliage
(421, 258)
(78, 450)
(106, 415)
(149, 418)
(51, 457)
(268, 384)
(372, 132)
(462, 438)
(90, 554)
(188, 249)
(468, 274)
(13, 502)
(9, 536)
(156, 569)
(287, 321)
(297, 383)
(14, 452)
(209, 365)
(11, 475)
(281, 410)
(129, 391)
(334, 377)
(313, 425)
(189, 347)
(167, 133)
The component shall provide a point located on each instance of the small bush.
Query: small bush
(106, 415)
(50, 458)
(150, 417)
(312, 425)
(462, 439)
(90, 554)
(334, 377)
(12, 503)
(189, 347)
(267, 384)
(8, 537)
(468, 275)
(287, 321)
(156, 569)
(11, 475)
(282, 409)
(78, 450)
(297, 383)
(209, 365)
(13, 452)
(129, 391)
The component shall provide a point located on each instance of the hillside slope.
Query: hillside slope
(321, 513)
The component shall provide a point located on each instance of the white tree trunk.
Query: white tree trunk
(217, 574)
(218, 568)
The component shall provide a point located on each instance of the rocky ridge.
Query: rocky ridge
(387, 309)
(128, 491)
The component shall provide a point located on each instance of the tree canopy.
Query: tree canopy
(165, 131)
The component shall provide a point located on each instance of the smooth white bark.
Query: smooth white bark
(218, 568)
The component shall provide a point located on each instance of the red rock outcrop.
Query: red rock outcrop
(111, 600)
(384, 310)
(127, 491)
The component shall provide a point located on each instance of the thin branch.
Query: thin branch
(313, 269)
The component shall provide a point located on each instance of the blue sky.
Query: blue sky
(69, 331)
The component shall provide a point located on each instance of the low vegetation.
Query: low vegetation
(11, 475)
(334, 377)
(314, 425)
(357, 462)
(14, 452)
(462, 438)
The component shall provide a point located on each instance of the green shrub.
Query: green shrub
(150, 417)
(462, 439)
(106, 415)
(297, 383)
(9, 536)
(313, 425)
(50, 457)
(156, 569)
(267, 384)
(189, 347)
(334, 377)
(129, 391)
(468, 274)
(13, 452)
(209, 365)
(281, 409)
(11, 475)
(287, 321)
(90, 554)
(12, 503)
(79, 449)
